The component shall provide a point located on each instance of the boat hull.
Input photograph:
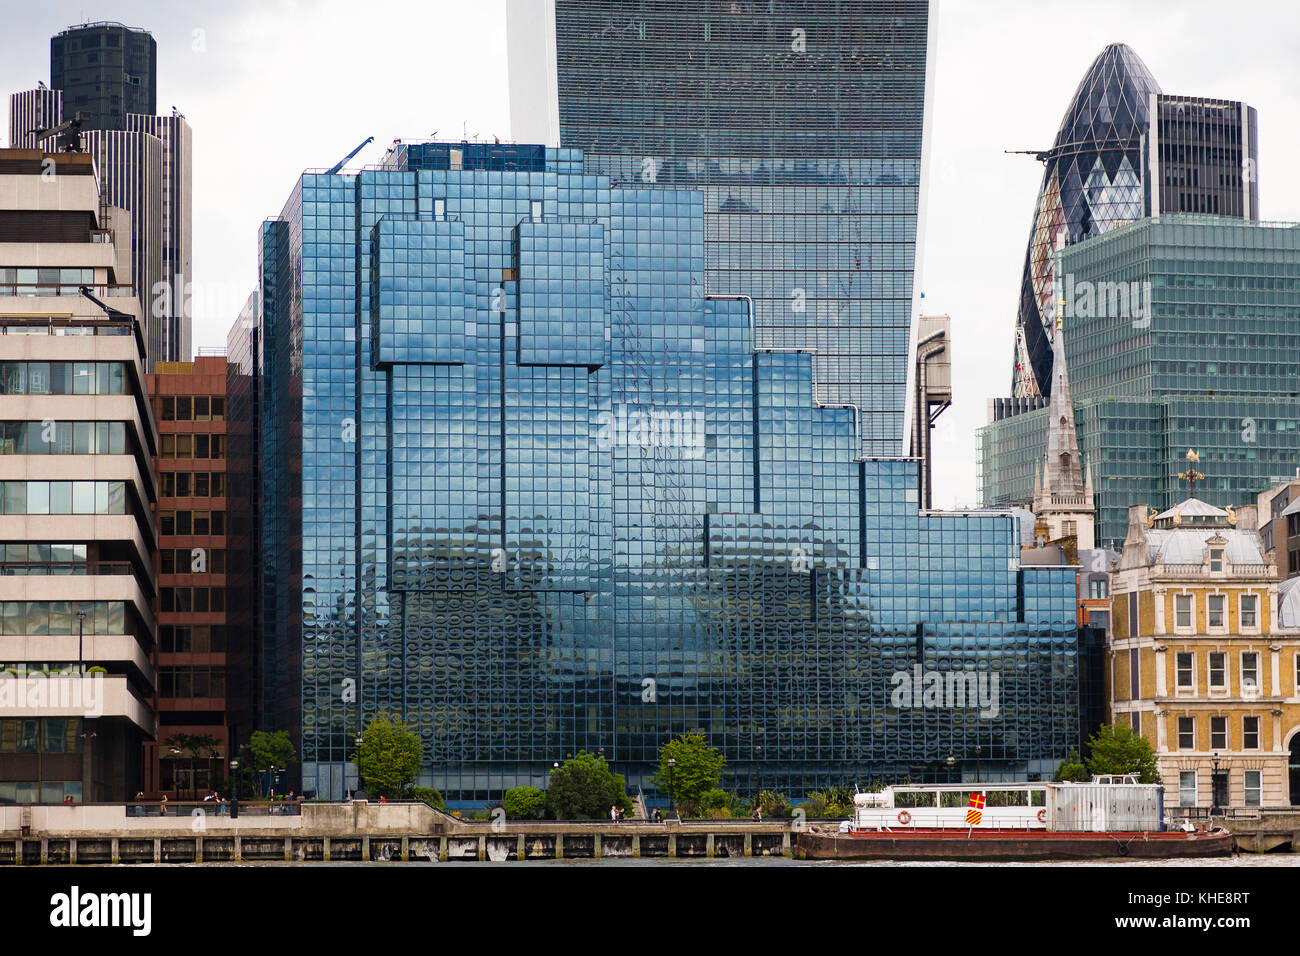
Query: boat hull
(1009, 845)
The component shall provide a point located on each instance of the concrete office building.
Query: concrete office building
(77, 487)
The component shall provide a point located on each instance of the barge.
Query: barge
(1111, 817)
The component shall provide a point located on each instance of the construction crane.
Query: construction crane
(72, 127)
(342, 162)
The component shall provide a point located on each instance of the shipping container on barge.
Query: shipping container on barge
(1106, 818)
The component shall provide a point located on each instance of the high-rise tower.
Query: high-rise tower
(802, 126)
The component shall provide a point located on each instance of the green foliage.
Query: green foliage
(430, 796)
(774, 804)
(1072, 769)
(698, 769)
(833, 803)
(1115, 748)
(96, 670)
(525, 803)
(584, 788)
(389, 757)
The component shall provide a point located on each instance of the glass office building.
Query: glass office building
(1182, 333)
(552, 498)
(801, 125)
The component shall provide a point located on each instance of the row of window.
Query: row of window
(1252, 783)
(191, 522)
(63, 378)
(1218, 733)
(193, 484)
(51, 735)
(47, 279)
(192, 638)
(1216, 609)
(183, 600)
(61, 617)
(63, 497)
(191, 682)
(192, 561)
(194, 446)
(1185, 670)
(62, 438)
(193, 408)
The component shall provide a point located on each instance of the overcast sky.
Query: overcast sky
(272, 88)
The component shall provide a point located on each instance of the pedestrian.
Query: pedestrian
(221, 807)
(162, 806)
(659, 817)
(68, 799)
(758, 813)
(613, 814)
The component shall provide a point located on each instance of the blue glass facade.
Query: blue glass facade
(551, 498)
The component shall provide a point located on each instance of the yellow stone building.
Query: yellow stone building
(1204, 657)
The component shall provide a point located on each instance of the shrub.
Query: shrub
(525, 803)
(430, 796)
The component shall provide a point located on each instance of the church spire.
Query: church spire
(1063, 471)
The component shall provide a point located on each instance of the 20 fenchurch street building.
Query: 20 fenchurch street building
(552, 498)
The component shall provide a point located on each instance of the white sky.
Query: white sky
(272, 88)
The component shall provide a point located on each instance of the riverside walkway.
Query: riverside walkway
(357, 831)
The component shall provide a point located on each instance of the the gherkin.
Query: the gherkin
(1092, 183)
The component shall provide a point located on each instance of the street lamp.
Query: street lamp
(234, 790)
(175, 752)
(979, 752)
(950, 763)
(672, 802)
(81, 621)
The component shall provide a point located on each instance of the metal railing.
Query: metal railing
(185, 808)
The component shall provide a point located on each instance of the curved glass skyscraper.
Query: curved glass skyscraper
(1093, 182)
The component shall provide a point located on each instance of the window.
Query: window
(1218, 670)
(1249, 607)
(1214, 605)
(1183, 611)
(1098, 588)
(1254, 788)
(1249, 674)
(1218, 733)
(1187, 788)
(1183, 670)
(1216, 559)
(1186, 733)
(1250, 733)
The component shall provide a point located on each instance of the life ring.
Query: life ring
(1042, 815)
(904, 817)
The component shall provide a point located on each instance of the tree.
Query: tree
(584, 788)
(1116, 749)
(267, 749)
(525, 803)
(1072, 769)
(698, 768)
(389, 757)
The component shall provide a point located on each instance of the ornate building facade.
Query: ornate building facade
(1204, 662)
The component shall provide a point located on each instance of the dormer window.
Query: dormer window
(1216, 559)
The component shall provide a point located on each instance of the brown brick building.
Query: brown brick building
(190, 753)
